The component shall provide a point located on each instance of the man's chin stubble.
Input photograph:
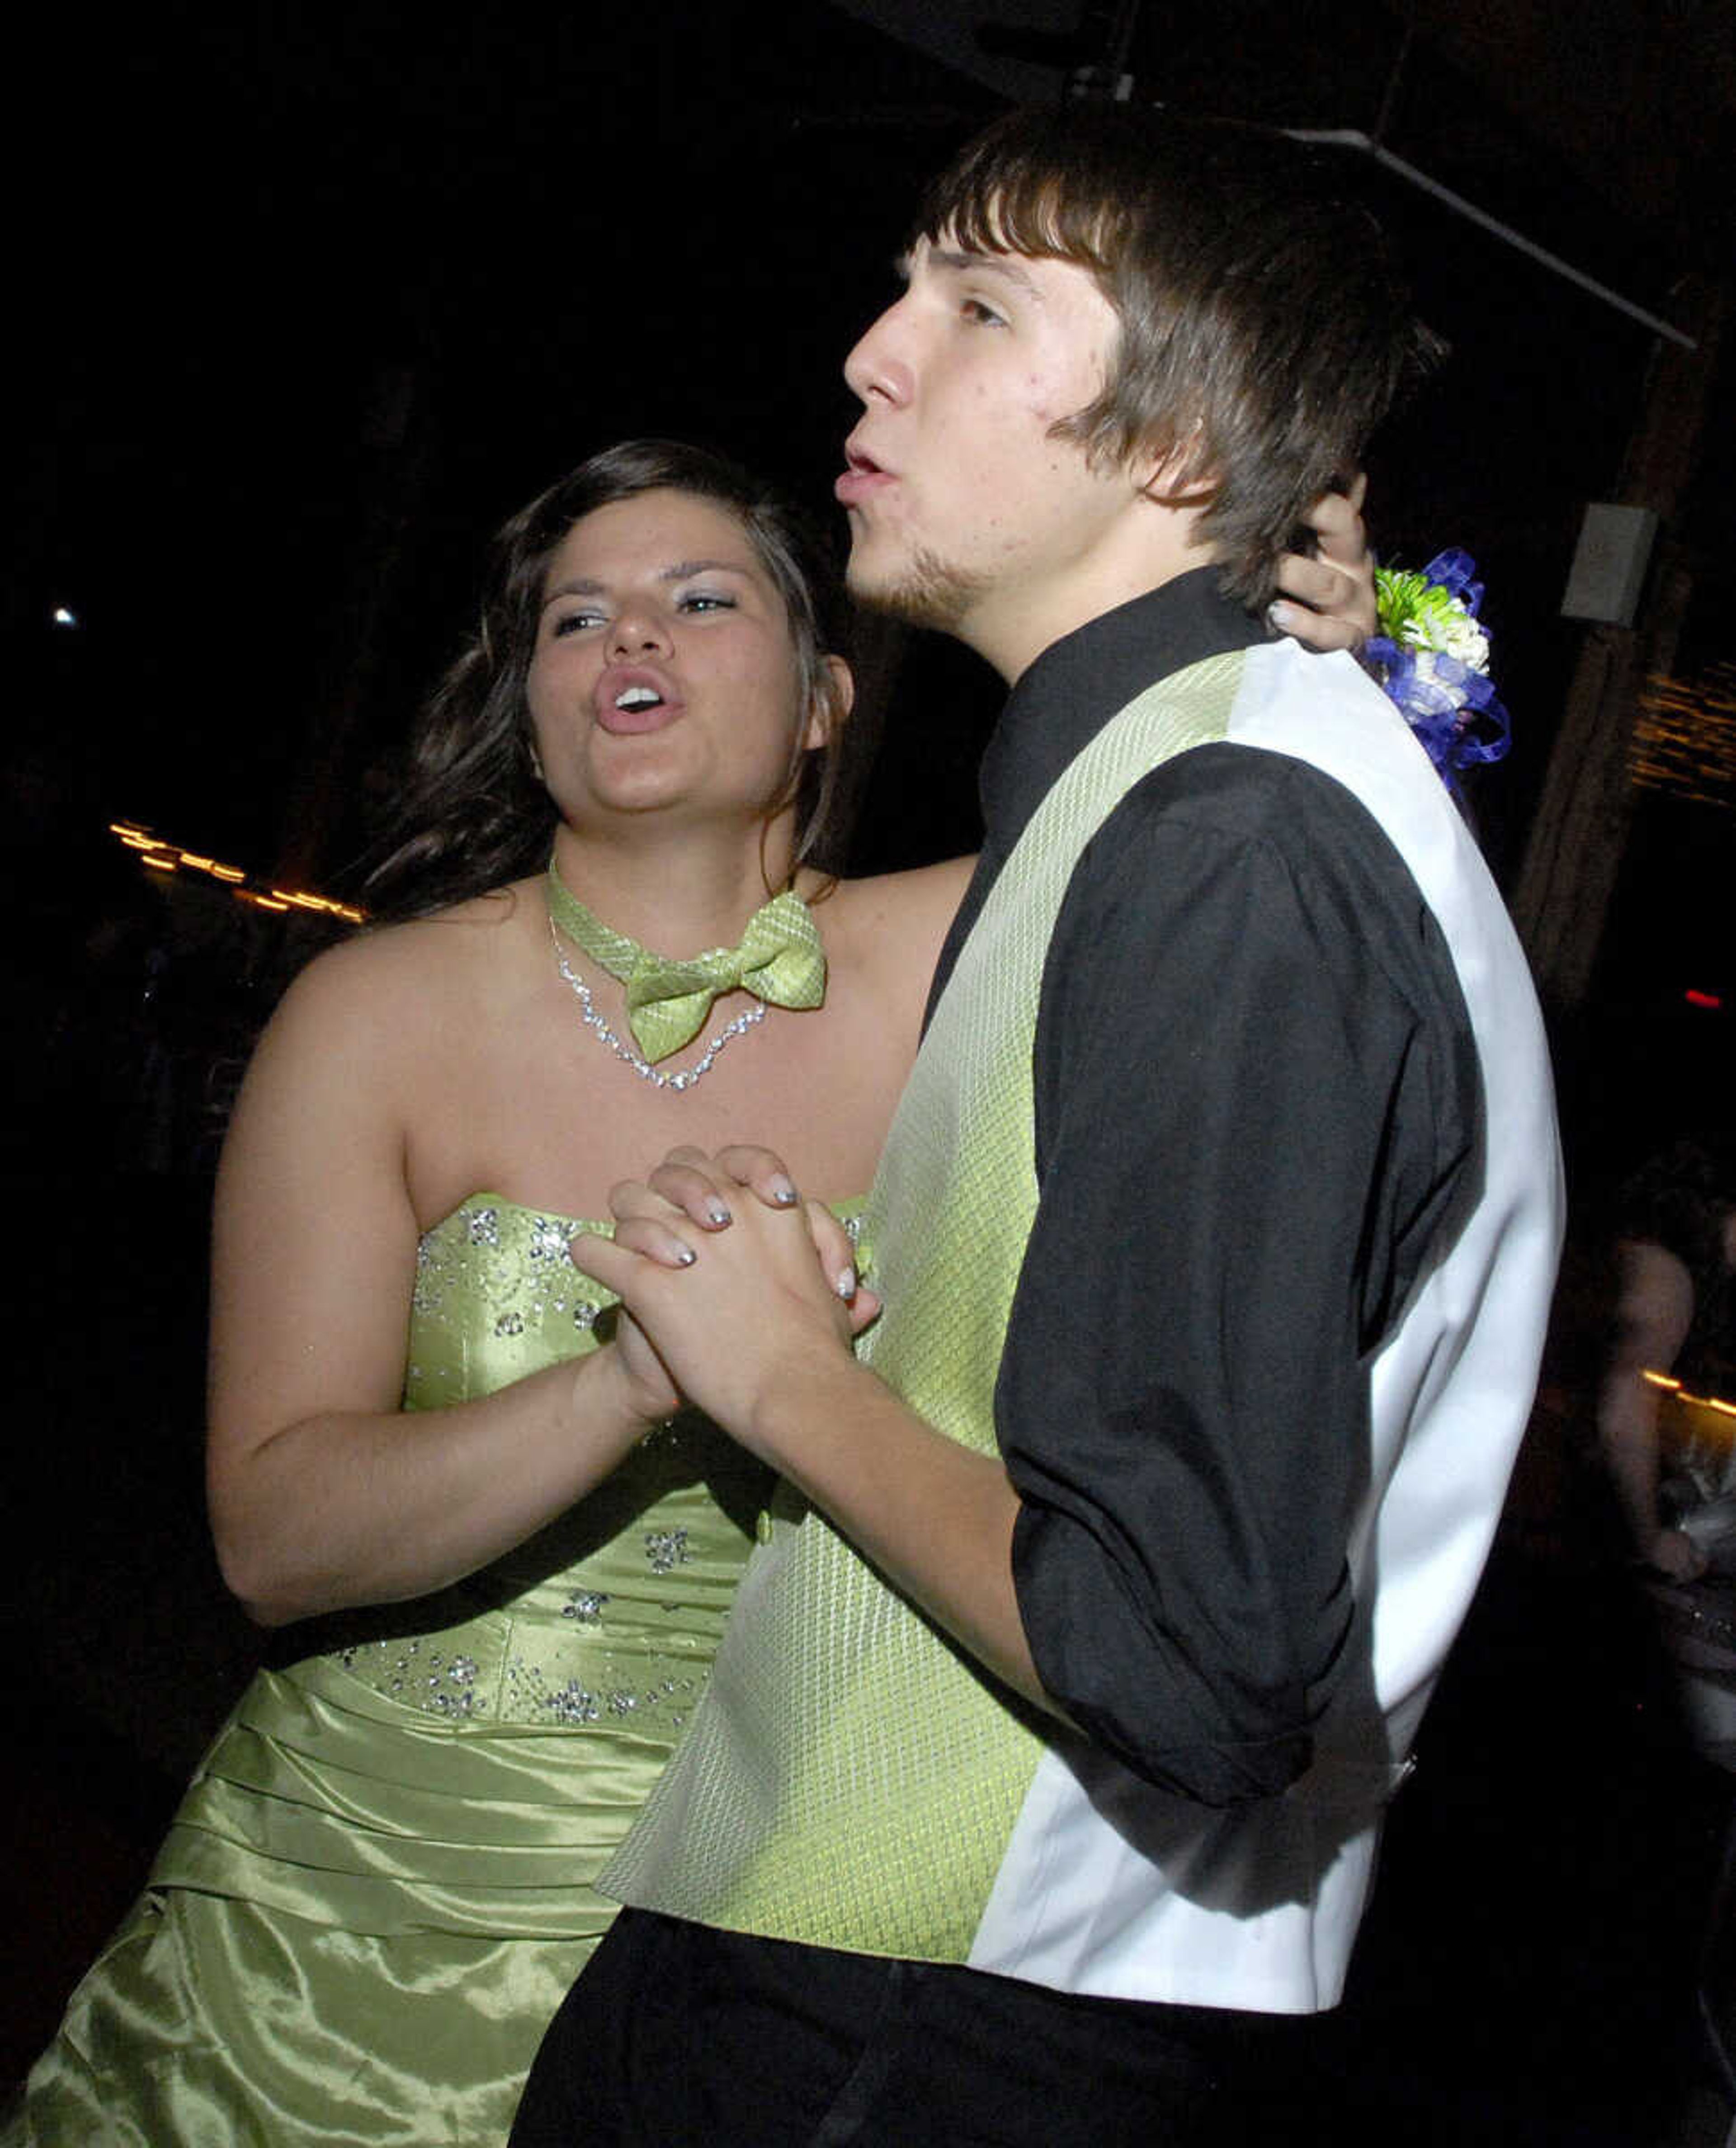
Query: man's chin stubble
(928, 592)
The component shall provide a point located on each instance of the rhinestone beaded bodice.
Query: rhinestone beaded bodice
(612, 1612)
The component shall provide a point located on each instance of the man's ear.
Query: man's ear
(1180, 474)
(832, 704)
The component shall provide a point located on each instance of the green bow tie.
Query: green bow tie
(780, 960)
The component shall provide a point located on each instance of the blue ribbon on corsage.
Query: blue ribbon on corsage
(1431, 657)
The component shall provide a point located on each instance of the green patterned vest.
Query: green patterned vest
(851, 1779)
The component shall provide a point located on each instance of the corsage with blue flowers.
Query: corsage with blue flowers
(1431, 656)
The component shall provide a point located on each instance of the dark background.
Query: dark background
(304, 301)
(309, 298)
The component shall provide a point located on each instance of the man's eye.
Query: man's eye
(984, 315)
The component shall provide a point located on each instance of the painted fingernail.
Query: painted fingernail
(715, 1213)
(783, 1193)
(846, 1284)
(686, 1257)
(1280, 616)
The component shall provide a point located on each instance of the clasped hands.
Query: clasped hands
(729, 1282)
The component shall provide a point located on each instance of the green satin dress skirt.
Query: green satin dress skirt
(377, 1889)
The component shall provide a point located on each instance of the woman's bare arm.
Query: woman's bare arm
(322, 1492)
(1654, 1308)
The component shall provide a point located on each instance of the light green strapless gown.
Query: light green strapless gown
(377, 1889)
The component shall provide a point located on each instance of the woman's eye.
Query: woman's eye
(573, 622)
(706, 600)
(984, 316)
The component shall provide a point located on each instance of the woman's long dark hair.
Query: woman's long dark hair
(475, 814)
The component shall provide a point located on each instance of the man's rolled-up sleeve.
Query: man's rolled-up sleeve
(1254, 1088)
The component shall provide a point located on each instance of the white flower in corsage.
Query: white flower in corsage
(1431, 656)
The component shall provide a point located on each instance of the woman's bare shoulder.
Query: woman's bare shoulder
(883, 935)
(913, 908)
(1655, 1303)
(392, 981)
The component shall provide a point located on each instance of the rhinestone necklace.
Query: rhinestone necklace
(749, 1018)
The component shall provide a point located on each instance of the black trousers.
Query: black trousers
(677, 2034)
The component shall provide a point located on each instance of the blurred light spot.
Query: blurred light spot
(169, 857)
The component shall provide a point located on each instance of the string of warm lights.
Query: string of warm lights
(1668, 1385)
(1684, 738)
(165, 857)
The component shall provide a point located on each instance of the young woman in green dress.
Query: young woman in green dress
(503, 1559)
